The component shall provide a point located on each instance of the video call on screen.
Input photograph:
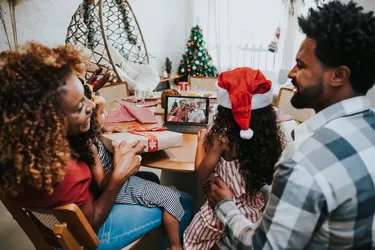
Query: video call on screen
(181, 109)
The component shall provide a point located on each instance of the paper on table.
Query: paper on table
(120, 114)
(143, 115)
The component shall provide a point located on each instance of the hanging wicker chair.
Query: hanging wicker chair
(102, 26)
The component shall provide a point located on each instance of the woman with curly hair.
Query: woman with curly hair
(242, 147)
(42, 104)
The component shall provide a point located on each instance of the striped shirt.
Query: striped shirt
(323, 193)
(137, 191)
(205, 229)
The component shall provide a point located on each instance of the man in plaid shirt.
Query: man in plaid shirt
(323, 192)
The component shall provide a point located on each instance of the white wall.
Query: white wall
(163, 24)
(44, 21)
(164, 28)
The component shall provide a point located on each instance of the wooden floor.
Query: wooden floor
(11, 235)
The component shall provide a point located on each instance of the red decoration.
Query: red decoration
(188, 69)
(210, 57)
(197, 44)
(205, 67)
(182, 62)
(188, 65)
(192, 43)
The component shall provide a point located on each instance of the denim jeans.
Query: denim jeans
(127, 223)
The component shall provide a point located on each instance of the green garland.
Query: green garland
(292, 4)
(87, 6)
(121, 4)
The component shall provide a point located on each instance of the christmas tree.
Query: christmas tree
(174, 106)
(196, 61)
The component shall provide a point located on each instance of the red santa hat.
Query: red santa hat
(243, 90)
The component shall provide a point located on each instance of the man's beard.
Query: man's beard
(307, 97)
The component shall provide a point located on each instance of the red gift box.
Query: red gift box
(183, 85)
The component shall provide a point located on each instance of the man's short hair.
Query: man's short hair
(344, 36)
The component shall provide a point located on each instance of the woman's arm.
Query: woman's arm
(98, 174)
(126, 163)
(174, 112)
(205, 162)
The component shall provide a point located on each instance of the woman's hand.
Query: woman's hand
(126, 160)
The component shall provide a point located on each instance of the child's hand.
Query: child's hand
(111, 129)
(201, 135)
(219, 191)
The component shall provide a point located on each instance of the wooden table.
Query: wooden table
(175, 159)
(164, 82)
(170, 78)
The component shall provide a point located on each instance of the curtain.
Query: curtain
(227, 24)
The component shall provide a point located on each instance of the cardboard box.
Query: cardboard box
(161, 140)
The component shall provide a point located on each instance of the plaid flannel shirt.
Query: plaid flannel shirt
(323, 193)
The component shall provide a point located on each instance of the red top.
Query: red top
(73, 189)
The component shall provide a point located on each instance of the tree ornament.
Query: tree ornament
(197, 62)
(188, 70)
(197, 44)
(188, 65)
(182, 70)
(182, 62)
(194, 68)
(200, 48)
(200, 54)
(205, 66)
(195, 37)
(210, 58)
(190, 53)
(192, 43)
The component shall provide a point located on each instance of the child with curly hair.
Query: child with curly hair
(241, 147)
(136, 190)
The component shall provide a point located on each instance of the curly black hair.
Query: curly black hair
(258, 155)
(33, 127)
(80, 144)
(344, 36)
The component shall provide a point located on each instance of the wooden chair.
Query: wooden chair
(61, 227)
(203, 83)
(283, 102)
(114, 92)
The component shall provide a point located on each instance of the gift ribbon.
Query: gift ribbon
(152, 140)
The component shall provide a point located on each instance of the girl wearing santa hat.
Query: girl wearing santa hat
(241, 147)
